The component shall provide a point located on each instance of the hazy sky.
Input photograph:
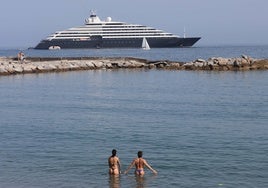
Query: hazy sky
(24, 23)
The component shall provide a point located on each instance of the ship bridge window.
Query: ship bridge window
(95, 24)
(114, 24)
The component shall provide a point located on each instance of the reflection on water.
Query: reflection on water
(140, 181)
(130, 181)
(114, 181)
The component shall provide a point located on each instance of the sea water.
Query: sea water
(173, 54)
(196, 128)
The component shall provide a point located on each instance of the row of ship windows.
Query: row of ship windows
(62, 36)
(110, 40)
(114, 31)
(113, 25)
(106, 24)
(105, 31)
(111, 34)
(113, 41)
(114, 34)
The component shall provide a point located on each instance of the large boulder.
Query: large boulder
(98, 64)
(18, 69)
(29, 68)
(90, 64)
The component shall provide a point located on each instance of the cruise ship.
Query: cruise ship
(97, 33)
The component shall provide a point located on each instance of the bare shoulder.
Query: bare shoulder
(135, 160)
(144, 161)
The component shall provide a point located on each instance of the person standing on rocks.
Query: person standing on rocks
(21, 57)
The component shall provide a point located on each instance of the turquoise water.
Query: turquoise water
(197, 129)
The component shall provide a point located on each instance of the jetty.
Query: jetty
(12, 65)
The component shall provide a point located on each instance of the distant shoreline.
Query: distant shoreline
(11, 65)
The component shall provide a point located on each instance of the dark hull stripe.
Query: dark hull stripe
(119, 43)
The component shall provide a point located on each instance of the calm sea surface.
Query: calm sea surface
(176, 54)
(197, 129)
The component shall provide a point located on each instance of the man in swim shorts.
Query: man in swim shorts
(114, 164)
(139, 164)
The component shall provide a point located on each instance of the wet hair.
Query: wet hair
(113, 152)
(139, 154)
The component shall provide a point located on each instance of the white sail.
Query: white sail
(145, 44)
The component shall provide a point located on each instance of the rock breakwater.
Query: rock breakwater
(9, 66)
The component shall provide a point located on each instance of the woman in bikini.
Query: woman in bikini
(114, 164)
(139, 164)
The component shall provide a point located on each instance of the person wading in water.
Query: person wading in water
(114, 164)
(139, 164)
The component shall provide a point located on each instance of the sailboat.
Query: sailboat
(145, 44)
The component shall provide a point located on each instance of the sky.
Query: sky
(24, 23)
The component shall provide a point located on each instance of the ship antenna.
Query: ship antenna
(184, 32)
(93, 12)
